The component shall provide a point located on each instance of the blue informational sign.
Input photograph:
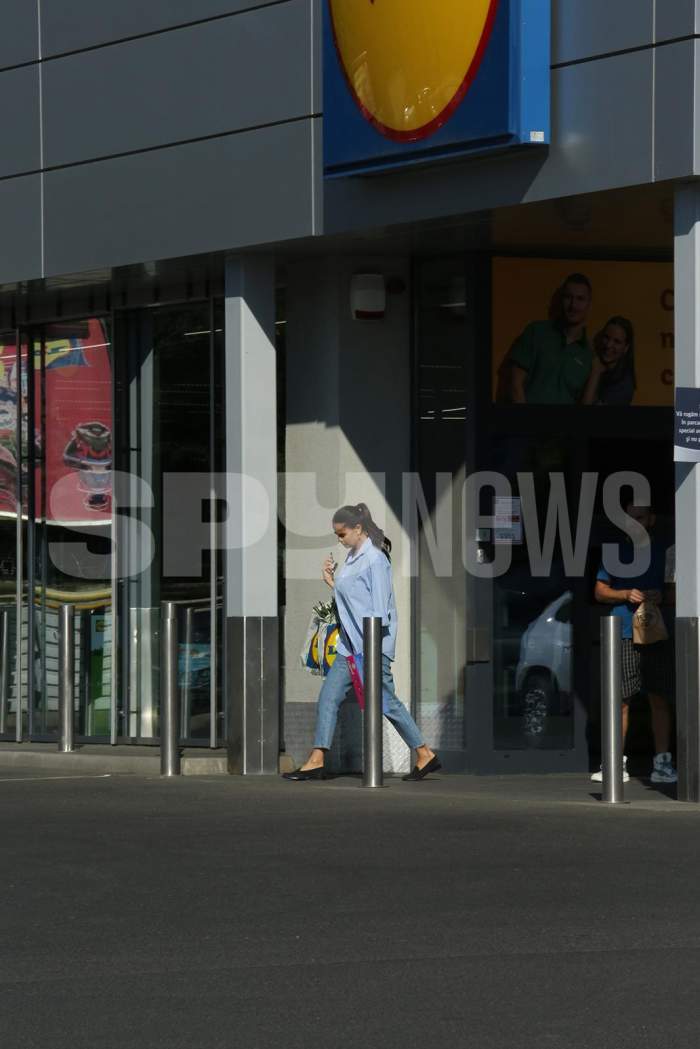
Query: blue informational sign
(416, 81)
(687, 426)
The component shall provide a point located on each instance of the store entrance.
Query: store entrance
(56, 526)
(169, 453)
(507, 654)
(544, 673)
(100, 453)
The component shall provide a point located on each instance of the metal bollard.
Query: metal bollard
(373, 758)
(169, 717)
(611, 708)
(4, 666)
(66, 681)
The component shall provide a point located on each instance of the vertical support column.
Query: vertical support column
(372, 722)
(251, 604)
(611, 708)
(4, 664)
(687, 373)
(169, 692)
(66, 680)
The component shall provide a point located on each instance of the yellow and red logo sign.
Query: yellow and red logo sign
(410, 63)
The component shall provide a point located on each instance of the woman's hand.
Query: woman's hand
(590, 392)
(328, 572)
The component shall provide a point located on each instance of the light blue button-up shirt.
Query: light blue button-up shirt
(363, 587)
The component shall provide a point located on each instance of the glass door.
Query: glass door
(69, 499)
(496, 673)
(170, 397)
(539, 600)
(13, 592)
(56, 525)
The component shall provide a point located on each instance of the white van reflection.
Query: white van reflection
(543, 674)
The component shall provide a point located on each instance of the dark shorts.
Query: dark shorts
(647, 668)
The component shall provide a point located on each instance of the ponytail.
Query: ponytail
(352, 516)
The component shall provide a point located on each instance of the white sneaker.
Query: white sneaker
(597, 777)
(663, 770)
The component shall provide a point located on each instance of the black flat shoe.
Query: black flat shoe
(300, 774)
(416, 773)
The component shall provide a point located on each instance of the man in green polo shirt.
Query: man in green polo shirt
(550, 361)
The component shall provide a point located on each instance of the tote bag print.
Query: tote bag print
(319, 649)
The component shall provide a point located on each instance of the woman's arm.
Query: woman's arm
(590, 390)
(380, 585)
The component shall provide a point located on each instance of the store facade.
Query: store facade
(188, 394)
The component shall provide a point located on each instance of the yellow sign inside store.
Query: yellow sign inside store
(409, 63)
(642, 292)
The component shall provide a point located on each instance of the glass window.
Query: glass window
(172, 402)
(441, 425)
(591, 332)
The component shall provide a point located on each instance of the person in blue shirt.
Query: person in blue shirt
(363, 587)
(647, 668)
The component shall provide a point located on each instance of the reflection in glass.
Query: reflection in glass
(171, 393)
(55, 464)
(532, 625)
(11, 526)
(442, 595)
(69, 455)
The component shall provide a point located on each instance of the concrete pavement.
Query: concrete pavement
(212, 913)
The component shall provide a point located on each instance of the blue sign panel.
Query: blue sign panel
(410, 81)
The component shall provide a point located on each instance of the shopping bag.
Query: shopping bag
(319, 649)
(648, 625)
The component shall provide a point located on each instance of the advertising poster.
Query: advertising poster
(640, 292)
(72, 435)
(507, 521)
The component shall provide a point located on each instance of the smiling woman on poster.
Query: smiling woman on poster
(613, 377)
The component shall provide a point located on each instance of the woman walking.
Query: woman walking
(363, 587)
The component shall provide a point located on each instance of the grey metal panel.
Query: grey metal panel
(252, 726)
(238, 72)
(599, 27)
(687, 708)
(696, 110)
(601, 139)
(21, 146)
(271, 698)
(223, 193)
(20, 222)
(19, 39)
(674, 18)
(673, 110)
(235, 692)
(316, 16)
(601, 125)
(68, 25)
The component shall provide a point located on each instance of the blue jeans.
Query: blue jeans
(333, 693)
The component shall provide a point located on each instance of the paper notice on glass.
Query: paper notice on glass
(686, 438)
(507, 520)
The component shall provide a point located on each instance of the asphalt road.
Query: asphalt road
(222, 913)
